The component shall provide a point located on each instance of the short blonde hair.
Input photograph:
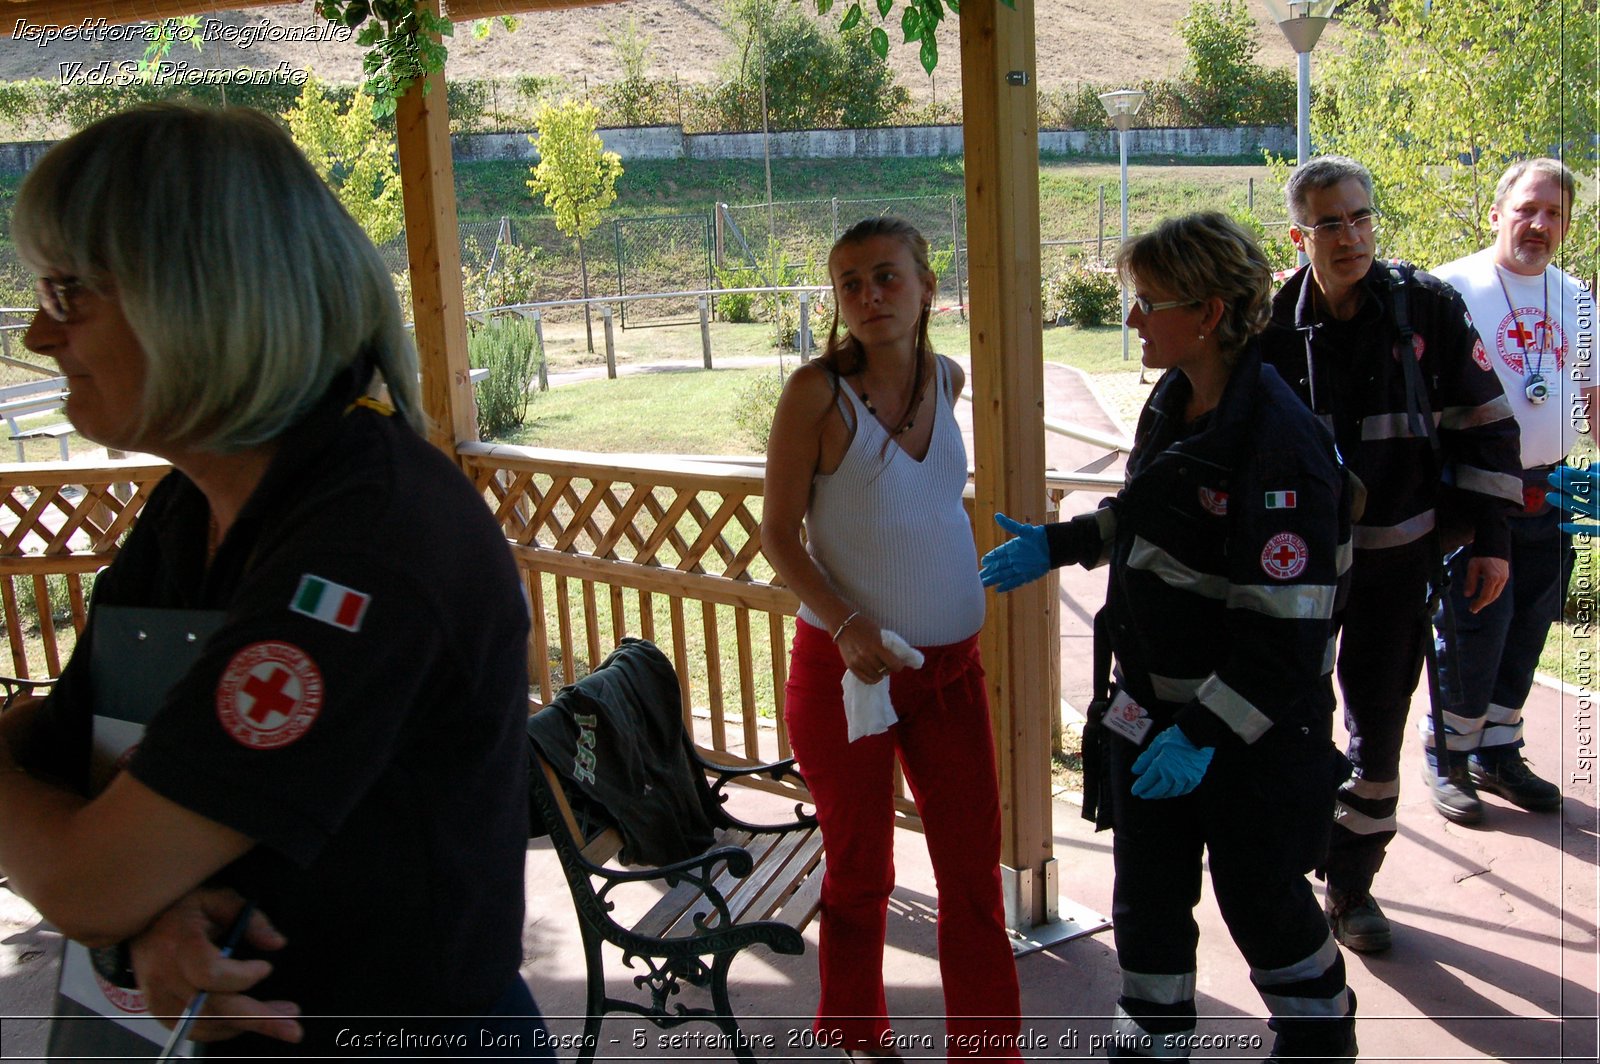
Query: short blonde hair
(247, 284)
(1206, 256)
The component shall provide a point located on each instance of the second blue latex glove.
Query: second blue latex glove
(1578, 493)
(1170, 766)
(1016, 561)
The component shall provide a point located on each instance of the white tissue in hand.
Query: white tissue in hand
(867, 710)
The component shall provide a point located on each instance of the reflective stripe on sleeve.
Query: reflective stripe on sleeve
(1176, 688)
(1330, 656)
(1377, 537)
(1294, 602)
(1234, 710)
(1470, 417)
(1390, 427)
(1495, 485)
(1152, 559)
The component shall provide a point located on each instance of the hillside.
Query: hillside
(1100, 41)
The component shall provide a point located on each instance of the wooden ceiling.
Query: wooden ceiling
(116, 12)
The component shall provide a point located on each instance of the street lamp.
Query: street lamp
(1122, 105)
(1302, 23)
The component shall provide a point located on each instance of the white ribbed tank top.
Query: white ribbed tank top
(891, 533)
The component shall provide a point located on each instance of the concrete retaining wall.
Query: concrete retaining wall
(670, 142)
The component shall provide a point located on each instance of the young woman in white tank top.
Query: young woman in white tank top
(866, 457)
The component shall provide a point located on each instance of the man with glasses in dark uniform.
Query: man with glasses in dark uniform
(1388, 358)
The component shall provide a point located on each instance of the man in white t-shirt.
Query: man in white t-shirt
(1538, 330)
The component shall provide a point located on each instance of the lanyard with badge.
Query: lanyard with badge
(1536, 388)
(136, 657)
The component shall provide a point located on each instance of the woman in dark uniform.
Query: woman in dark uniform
(1227, 546)
(315, 633)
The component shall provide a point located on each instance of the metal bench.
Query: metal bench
(756, 883)
(35, 397)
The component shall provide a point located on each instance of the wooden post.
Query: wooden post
(1000, 114)
(611, 343)
(433, 243)
(704, 304)
(805, 327)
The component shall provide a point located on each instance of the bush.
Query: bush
(736, 306)
(509, 349)
(1083, 297)
(756, 403)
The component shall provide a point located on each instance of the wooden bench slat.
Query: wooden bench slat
(772, 902)
(686, 898)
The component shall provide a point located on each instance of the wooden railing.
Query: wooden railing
(59, 523)
(608, 545)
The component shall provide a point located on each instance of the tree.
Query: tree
(814, 78)
(350, 153)
(1222, 43)
(575, 174)
(1438, 98)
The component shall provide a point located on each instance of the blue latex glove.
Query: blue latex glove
(1578, 493)
(1170, 766)
(1016, 561)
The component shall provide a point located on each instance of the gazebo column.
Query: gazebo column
(433, 243)
(1000, 109)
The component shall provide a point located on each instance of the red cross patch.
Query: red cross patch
(1214, 502)
(1285, 556)
(1480, 356)
(269, 695)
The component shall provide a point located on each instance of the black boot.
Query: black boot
(1454, 797)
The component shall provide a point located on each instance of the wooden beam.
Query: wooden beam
(1001, 131)
(433, 242)
(62, 13)
(464, 10)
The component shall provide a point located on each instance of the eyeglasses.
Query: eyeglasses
(1360, 223)
(1148, 308)
(55, 297)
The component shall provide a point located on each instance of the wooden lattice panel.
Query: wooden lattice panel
(60, 522)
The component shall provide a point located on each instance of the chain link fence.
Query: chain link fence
(667, 254)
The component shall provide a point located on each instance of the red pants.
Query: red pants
(944, 743)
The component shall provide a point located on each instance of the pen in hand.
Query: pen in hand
(180, 1030)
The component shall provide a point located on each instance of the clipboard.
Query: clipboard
(137, 656)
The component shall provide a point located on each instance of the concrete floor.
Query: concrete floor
(1495, 955)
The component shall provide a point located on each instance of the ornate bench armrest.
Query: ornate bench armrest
(779, 771)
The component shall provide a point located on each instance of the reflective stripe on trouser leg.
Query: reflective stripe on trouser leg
(1153, 1013)
(1503, 727)
(1380, 662)
(1311, 988)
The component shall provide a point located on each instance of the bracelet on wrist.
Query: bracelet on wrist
(837, 632)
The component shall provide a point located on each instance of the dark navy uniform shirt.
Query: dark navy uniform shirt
(360, 714)
(1228, 548)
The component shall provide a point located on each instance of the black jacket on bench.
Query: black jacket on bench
(617, 738)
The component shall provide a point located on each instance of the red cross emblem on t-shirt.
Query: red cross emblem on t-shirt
(269, 694)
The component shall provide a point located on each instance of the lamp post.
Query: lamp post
(1122, 105)
(1302, 23)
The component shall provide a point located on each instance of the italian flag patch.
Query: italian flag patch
(330, 603)
(1280, 500)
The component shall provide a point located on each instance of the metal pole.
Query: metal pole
(1122, 139)
(1303, 108)
(955, 259)
(705, 330)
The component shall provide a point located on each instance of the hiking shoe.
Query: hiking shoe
(1507, 775)
(1453, 797)
(1357, 922)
